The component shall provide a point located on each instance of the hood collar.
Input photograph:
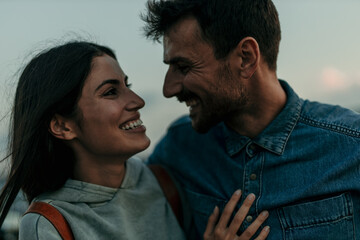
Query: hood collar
(76, 191)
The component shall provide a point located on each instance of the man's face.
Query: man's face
(207, 85)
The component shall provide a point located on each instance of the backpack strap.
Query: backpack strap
(54, 217)
(170, 191)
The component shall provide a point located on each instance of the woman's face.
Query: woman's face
(109, 124)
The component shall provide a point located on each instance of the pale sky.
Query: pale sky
(319, 51)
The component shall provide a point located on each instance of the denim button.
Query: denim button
(249, 218)
(253, 176)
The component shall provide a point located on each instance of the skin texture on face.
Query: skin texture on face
(207, 85)
(107, 105)
(109, 129)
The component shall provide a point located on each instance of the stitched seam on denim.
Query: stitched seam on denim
(281, 219)
(345, 212)
(260, 182)
(295, 120)
(352, 213)
(349, 204)
(243, 181)
(321, 224)
(331, 127)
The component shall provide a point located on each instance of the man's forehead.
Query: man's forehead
(185, 28)
(181, 37)
(176, 51)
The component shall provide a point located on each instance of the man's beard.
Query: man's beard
(223, 101)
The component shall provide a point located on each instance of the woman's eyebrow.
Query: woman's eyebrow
(108, 81)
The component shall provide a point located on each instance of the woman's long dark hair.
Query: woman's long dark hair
(51, 83)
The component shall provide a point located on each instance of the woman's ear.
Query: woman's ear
(62, 128)
(248, 56)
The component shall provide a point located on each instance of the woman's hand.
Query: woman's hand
(222, 231)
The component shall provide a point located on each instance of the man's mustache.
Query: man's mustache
(185, 95)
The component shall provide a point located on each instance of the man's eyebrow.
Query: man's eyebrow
(108, 81)
(176, 60)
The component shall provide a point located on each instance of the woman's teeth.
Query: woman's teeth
(132, 125)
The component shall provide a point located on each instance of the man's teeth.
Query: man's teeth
(191, 103)
(132, 125)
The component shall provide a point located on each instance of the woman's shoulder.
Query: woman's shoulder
(33, 226)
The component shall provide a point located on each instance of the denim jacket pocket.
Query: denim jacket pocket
(330, 218)
(202, 207)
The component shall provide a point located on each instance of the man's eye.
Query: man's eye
(110, 92)
(183, 69)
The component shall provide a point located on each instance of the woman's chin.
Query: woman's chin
(142, 145)
(146, 144)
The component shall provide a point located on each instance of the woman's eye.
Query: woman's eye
(110, 92)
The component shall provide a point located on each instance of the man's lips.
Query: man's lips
(191, 103)
(190, 99)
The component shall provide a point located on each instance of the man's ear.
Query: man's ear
(248, 56)
(62, 128)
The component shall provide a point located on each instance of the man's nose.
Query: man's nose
(172, 84)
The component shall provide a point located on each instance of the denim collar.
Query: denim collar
(276, 134)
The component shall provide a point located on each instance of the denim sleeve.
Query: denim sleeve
(36, 227)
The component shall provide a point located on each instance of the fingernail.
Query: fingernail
(267, 229)
(265, 213)
(237, 192)
(215, 209)
(251, 196)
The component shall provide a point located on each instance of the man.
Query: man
(248, 130)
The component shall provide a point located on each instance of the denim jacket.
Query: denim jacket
(304, 169)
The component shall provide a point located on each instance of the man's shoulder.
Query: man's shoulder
(332, 117)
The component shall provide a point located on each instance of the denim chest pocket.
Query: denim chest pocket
(202, 207)
(330, 218)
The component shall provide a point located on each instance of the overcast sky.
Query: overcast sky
(319, 51)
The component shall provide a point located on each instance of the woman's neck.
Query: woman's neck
(105, 173)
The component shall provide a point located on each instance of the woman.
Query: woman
(75, 127)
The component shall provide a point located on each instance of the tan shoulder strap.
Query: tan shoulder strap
(54, 216)
(169, 189)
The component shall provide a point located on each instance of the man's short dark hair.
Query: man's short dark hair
(224, 23)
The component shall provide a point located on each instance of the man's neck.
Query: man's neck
(266, 100)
